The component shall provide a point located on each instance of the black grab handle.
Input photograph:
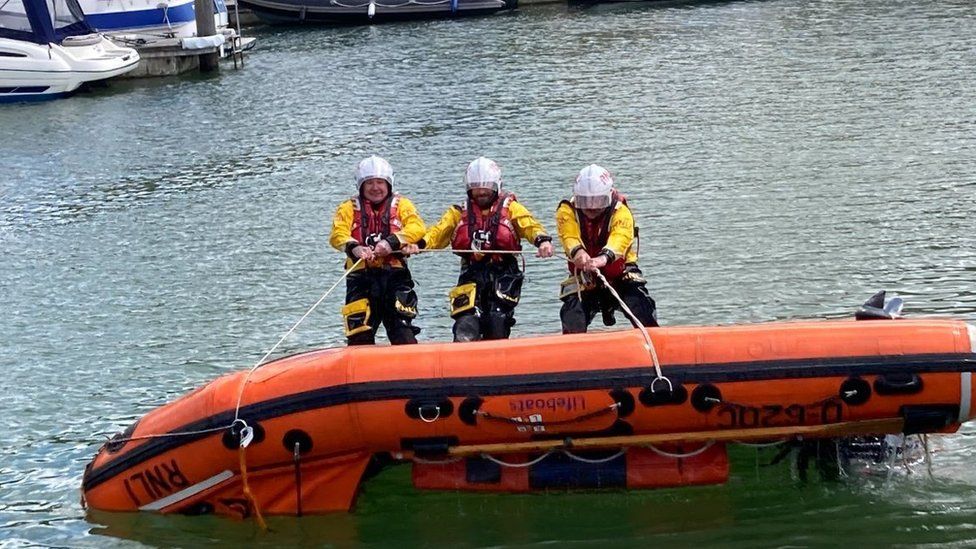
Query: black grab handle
(898, 384)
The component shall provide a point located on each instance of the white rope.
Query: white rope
(841, 470)
(259, 363)
(111, 440)
(520, 253)
(648, 344)
(516, 465)
(463, 251)
(891, 464)
(928, 455)
(436, 461)
(240, 394)
(526, 464)
(672, 455)
(759, 444)
(517, 421)
(904, 455)
(598, 460)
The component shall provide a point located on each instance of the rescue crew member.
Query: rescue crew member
(489, 286)
(598, 233)
(372, 226)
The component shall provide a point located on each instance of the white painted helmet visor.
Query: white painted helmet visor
(482, 185)
(592, 202)
(593, 188)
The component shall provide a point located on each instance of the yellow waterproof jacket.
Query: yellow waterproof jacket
(526, 226)
(620, 233)
(406, 227)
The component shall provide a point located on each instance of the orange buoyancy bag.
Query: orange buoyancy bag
(487, 231)
(547, 413)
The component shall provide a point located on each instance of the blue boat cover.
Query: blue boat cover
(42, 21)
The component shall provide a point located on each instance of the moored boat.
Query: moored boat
(597, 410)
(47, 51)
(369, 11)
(171, 18)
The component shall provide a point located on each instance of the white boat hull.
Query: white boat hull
(165, 18)
(31, 71)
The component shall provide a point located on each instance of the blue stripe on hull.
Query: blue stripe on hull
(177, 15)
(5, 98)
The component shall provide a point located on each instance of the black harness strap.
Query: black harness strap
(494, 220)
(367, 222)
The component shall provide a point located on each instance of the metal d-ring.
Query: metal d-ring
(437, 415)
(666, 380)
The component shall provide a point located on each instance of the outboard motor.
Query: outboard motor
(876, 308)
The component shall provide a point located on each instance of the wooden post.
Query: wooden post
(206, 26)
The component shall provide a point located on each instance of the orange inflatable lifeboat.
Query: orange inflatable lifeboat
(301, 433)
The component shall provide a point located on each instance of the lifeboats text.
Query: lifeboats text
(552, 404)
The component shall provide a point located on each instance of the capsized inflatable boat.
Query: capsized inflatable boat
(580, 411)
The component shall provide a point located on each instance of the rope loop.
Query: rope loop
(760, 444)
(497, 461)
(673, 455)
(581, 459)
(517, 421)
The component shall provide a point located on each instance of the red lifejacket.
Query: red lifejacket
(595, 232)
(375, 222)
(493, 230)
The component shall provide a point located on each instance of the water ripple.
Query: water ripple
(784, 158)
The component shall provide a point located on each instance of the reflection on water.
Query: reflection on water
(784, 159)
(761, 505)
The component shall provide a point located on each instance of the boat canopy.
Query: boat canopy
(42, 21)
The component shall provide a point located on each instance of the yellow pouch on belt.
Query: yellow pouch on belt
(462, 298)
(355, 315)
(569, 287)
(405, 303)
(572, 285)
(631, 276)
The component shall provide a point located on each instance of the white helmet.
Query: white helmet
(594, 188)
(374, 167)
(483, 173)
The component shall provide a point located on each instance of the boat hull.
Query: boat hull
(31, 72)
(355, 12)
(321, 418)
(154, 16)
(173, 18)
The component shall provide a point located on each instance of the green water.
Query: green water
(762, 505)
(784, 159)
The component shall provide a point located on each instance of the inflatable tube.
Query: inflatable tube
(321, 418)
